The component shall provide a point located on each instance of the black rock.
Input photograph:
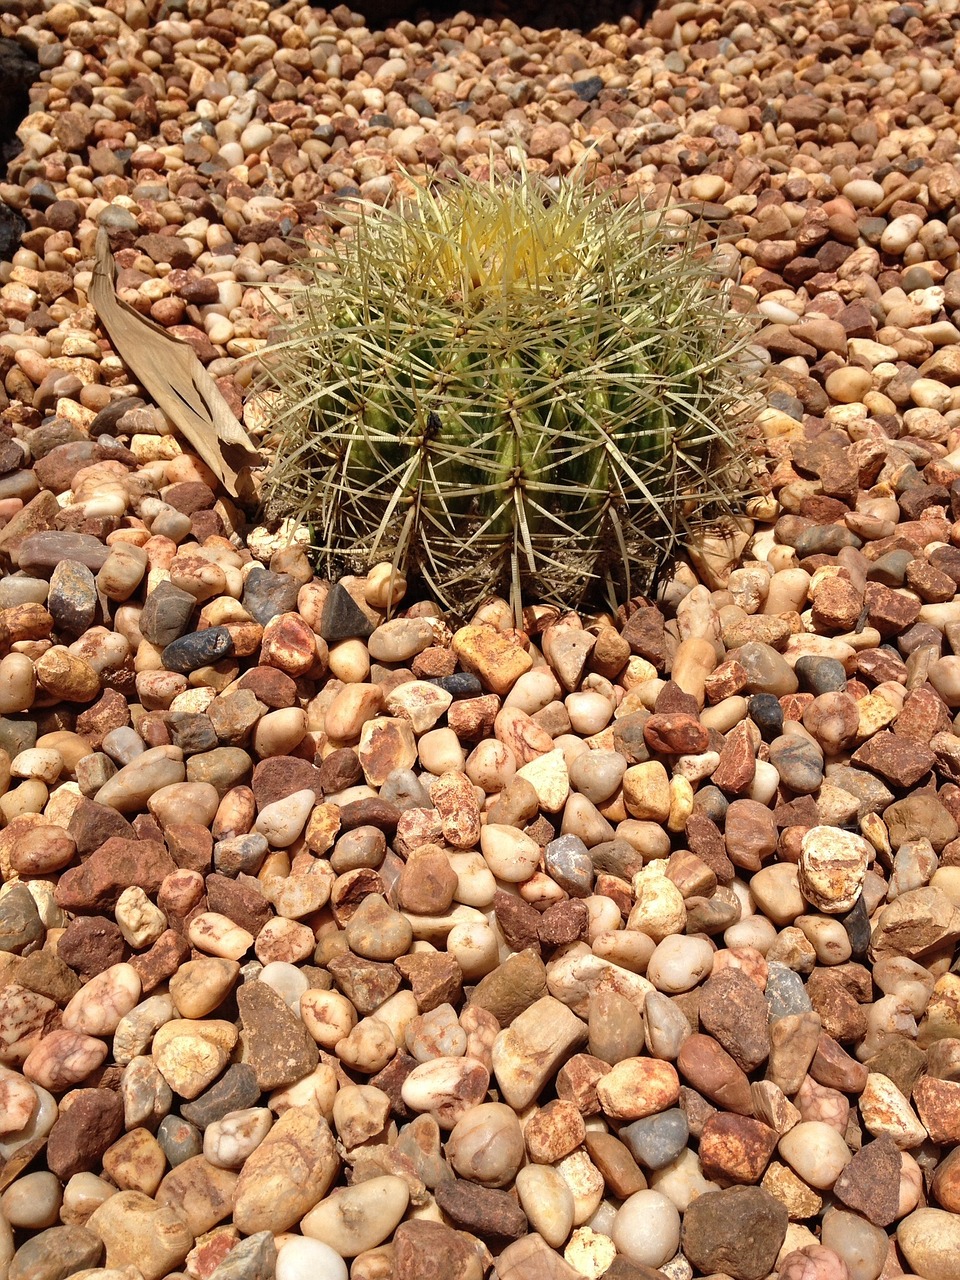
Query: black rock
(342, 617)
(236, 1090)
(267, 594)
(12, 227)
(857, 926)
(166, 614)
(18, 71)
(198, 649)
(587, 90)
(767, 714)
(72, 600)
(462, 684)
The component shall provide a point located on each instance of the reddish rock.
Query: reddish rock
(281, 776)
(738, 762)
(737, 1232)
(712, 1071)
(938, 1105)
(273, 688)
(239, 902)
(111, 711)
(736, 1148)
(92, 825)
(896, 758)
(870, 1184)
(97, 884)
(733, 1010)
(162, 961)
(482, 1211)
(90, 944)
(83, 1131)
(431, 1251)
(675, 733)
(434, 977)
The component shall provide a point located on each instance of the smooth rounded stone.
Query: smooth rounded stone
(679, 963)
(130, 789)
(400, 639)
(657, 1140)
(136, 1231)
(290, 1171)
(281, 822)
(299, 1258)
(20, 923)
(816, 1152)
(785, 992)
(767, 714)
(646, 1229)
(736, 1232)
(799, 763)
(860, 1244)
(597, 774)
(33, 1201)
(377, 932)
(286, 980)
(199, 986)
(98, 1006)
(56, 1252)
(820, 675)
(682, 1180)
(353, 1219)
(930, 1242)
(833, 864)
(510, 854)
(18, 683)
(197, 649)
(547, 1201)
(195, 802)
(228, 1142)
(849, 384)
(18, 1102)
(123, 745)
(180, 1140)
(863, 193)
(486, 1145)
(767, 671)
(666, 1027)
(83, 1193)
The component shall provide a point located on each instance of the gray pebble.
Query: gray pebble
(656, 1140)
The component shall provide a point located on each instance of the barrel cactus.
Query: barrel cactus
(507, 385)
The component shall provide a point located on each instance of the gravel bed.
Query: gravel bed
(340, 938)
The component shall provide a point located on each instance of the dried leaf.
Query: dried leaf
(170, 371)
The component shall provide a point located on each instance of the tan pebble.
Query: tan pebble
(217, 935)
(638, 1087)
(352, 1219)
(547, 1201)
(98, 1006)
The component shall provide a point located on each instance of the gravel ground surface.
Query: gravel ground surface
(464, 951)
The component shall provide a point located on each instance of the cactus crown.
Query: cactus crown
(498, 385)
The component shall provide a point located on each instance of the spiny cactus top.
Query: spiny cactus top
(507, 387)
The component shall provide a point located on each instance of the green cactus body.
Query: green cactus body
(503, 385)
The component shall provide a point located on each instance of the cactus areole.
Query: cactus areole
(508, 386)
